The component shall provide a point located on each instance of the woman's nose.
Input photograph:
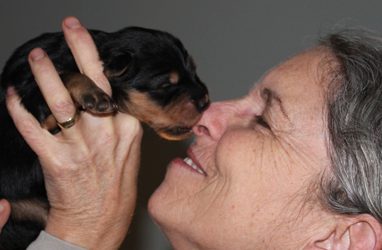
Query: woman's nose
(216, 119)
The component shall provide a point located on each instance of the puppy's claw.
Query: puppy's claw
(89, 101)
(103, 106)
(98, 103)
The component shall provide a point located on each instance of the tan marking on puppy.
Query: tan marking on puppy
(170, 137)
(78, 84)
(49, 123)
(174, 77)
(181, 113)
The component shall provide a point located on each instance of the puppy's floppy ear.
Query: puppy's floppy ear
(359, 232)
(118, 63)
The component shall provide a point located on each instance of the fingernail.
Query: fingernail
(37, 54)
(72, 23)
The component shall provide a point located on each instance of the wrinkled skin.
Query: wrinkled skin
(90, 173)
(259, 186)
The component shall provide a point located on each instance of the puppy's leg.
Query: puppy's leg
(86, 96)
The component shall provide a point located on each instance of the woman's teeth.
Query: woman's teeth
(189, 162)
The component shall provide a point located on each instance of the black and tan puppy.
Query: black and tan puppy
(152, 77)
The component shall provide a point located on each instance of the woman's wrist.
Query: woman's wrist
(89, 235)
(73, 234)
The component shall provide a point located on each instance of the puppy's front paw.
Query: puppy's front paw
(97, 102)
(87, 95)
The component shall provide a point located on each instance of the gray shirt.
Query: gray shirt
(46, 241)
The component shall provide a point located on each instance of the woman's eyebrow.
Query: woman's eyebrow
(269, 96)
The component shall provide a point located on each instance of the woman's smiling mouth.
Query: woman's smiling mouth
(194, 166)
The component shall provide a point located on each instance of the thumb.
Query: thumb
(5, 211)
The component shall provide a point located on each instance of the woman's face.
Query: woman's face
(250, 178)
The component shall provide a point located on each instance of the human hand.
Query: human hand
(5, 211)
(90, 169)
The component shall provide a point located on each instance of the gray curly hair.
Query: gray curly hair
(355, 125)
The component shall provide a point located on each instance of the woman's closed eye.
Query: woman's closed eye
(262, 122)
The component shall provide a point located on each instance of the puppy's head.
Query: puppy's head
(155, 80)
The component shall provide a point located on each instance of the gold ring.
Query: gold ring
(68, 123)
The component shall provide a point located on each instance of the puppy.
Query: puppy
(152, 77)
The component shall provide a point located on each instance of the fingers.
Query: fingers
(130, 133)
(85, 52)
(51, 86)
(86, 55)
(26, 124)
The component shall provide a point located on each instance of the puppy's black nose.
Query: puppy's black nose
(202, 103)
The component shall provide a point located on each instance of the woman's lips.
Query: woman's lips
(190, 163)
(194, 166)
(193, 162)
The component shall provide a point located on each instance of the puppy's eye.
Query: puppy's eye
(260, 121)
(165, 85)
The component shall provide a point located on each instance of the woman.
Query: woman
(295, 164)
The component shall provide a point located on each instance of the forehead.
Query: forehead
(301, 84)
(303, 79)
(305, 70)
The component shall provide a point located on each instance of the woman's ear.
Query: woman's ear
(5, 211)
(359, 232)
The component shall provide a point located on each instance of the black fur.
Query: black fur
(149, 54)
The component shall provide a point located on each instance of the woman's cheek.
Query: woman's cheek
(260, 163)
(242, 153)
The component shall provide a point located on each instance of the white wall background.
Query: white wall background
(233, 43)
